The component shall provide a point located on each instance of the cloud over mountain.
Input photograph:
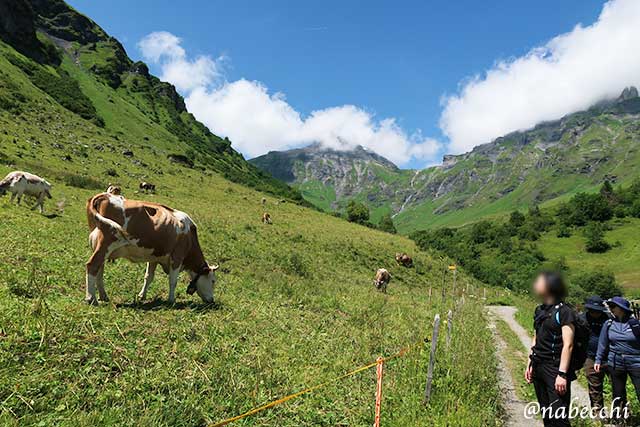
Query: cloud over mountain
(258, 121)
(569, 73)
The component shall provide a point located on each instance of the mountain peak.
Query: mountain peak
(628, 93)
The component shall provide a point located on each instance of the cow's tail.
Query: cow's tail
(93, 212)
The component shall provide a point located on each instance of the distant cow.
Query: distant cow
(20, 183)
(382, 280)
(148, 187)
(266, 218)
(404, 260)
(145, 232)
(114, 189)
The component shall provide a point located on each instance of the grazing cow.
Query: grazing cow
(382, 280)
(20, 183)
(148, 187)
(266, 218)
(114, 189)
(264, 201)
(404, 260)
(145, 232)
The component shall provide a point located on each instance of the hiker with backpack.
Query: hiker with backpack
(619, 349)
(551, 367)
(595, 316)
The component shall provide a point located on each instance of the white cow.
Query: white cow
(20, 183)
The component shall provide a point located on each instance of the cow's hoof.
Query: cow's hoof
(91, 301)
(104, 299)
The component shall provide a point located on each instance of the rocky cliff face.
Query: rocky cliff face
(356, 173)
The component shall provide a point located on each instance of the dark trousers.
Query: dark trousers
(619, 384)
(596, 384)
(544, 382)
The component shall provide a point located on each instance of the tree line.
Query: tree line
(504, 252)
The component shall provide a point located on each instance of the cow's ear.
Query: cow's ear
(214, 267)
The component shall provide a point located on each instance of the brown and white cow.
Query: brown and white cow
(20, 183)
(266, 218)
(145, 232)
(404, 259)
(382, 280)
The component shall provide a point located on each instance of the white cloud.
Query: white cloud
(570, 73)
(257, 121)
(164, 48)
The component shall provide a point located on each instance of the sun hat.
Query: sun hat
(620, 302)
(594, 303)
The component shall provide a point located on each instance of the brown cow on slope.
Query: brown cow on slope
(404, 260)
(145, 232)
(382, 280)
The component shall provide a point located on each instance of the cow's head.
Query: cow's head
(203, 282)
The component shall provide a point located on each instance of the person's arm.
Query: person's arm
(528, 373)
(568, 332)
(603, 346)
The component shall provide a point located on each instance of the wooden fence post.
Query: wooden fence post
(444, 292)
(484, 293)
(432, 359)
(429, 295)
(449, 326)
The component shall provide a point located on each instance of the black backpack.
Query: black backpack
(580, 338)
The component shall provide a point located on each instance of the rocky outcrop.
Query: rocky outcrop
(18, 29)
(628, 93)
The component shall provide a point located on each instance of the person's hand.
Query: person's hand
(596, 368)
(561, 385)
(528, 373)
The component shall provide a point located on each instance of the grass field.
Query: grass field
(295, 306)
(623, 259)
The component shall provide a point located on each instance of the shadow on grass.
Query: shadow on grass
(160, 304)
(51, 216)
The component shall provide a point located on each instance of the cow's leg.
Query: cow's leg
(13, 196)
(173, 281)
(94, 265)
(148, 278)
(100, 285)
(39, 203)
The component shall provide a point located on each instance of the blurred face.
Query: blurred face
(540, 287)
(594, 313)
(617, 311)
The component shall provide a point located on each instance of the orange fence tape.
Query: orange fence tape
(269, 405)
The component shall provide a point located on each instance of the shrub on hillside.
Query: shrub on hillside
(81, 181)
(386, 224)
(583, 208)
(599, 283)
(563, 231)
(594, 235)
(357, 212)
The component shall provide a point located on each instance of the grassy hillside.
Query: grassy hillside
(622, 259)
(295, 306)
(89, 75)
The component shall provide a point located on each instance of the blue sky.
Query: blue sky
(389, 59)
